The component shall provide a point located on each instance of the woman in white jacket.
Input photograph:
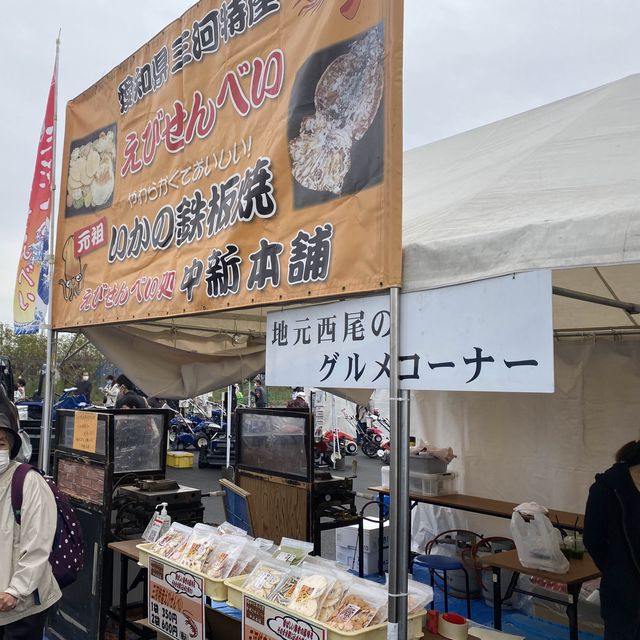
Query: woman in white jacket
(28, 588)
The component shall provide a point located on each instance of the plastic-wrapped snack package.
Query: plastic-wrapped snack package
(328, 565)
(223, 556)
(293, 551)
(200, 544)
(251, 553)
(266, 576)
(420, 595)
(343, 582)
(226, 528)
(173, 543)
(358, 607)
(266, 545)
(283, 593)
(310, 592)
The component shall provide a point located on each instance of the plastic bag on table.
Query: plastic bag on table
(536, 540)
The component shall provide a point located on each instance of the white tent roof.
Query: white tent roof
(556, 188)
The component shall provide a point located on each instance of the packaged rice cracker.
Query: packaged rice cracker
(173, 543)
(264, 579)
(200, 544)
(420, 595)
(226, 528)
(358, 607)
(343, 581)
(310, 592)
(223, 556)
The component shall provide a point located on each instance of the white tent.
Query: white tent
(556, 188)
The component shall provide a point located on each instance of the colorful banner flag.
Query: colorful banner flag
(249, 154)
(31, 297)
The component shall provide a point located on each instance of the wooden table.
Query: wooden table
(473, 504)
(128, 551)
(579, 571)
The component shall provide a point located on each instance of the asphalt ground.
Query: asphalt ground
(206, 479)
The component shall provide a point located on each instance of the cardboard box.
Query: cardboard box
(347, 537)
(349, 558)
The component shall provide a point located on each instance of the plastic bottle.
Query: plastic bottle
(158, 525)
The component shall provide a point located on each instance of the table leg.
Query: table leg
(381, 534)
(572, 610)
(124, 579)
(361, 547)
(497, 599)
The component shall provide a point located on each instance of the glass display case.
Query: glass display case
(278, 442)
(134, 441)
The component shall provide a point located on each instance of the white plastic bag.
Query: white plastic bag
(26, 449)
(537, 542)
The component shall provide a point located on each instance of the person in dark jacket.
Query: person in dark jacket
(612, 537)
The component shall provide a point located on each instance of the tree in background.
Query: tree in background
(28, 355)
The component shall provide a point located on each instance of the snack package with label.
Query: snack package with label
(343, 582)
(310, 592)
(222, 558)
(251, 554)
(203, 539)
(266, 545)
(292, 551)
(226, 528)
(265, 578)
(283, 593)
(173, 543)
(358, 607)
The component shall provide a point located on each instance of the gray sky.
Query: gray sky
(467, 63)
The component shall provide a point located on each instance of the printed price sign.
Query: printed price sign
(85, 429)
(176, 602)
(263, 622)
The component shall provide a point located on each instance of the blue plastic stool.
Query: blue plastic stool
(444, 563)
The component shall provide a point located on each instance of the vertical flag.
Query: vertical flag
(31, 296)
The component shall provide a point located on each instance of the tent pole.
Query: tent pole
(398, 485)
(230, 390)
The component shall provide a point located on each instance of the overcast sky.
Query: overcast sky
(467, 63)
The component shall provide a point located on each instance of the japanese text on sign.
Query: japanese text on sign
(85, 431)
(466, 337)
(265, 622)
(176, 602)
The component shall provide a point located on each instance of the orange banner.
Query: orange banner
(31, 296)
(249, 154)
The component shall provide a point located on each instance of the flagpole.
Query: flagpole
(45, 428)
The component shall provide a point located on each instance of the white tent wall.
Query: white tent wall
(520, 447)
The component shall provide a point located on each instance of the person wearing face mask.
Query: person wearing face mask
(84, 386)
(28, 588)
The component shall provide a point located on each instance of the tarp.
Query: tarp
(524, 446)
(556, 187)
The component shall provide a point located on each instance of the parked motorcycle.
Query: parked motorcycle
(183, 433)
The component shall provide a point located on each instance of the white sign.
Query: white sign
(261, 621)
(491, 335)
(176, 601)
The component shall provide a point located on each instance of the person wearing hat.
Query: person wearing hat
(299, 402)
(28, 588)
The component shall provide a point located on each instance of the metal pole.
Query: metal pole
(45, 426)
(230, 390)
(398, 487)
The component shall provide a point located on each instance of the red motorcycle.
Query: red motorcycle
(324, 446)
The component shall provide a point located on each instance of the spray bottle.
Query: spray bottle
(158, 525)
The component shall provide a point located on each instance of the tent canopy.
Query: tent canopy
(556, 188)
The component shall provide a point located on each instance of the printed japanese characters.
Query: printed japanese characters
(347, 98)
(91, 174)
(215, 150)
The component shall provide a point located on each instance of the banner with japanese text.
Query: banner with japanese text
(249, 154)
(490, 335)
(31, 296)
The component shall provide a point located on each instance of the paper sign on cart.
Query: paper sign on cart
(263, 622)
(176, 602)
